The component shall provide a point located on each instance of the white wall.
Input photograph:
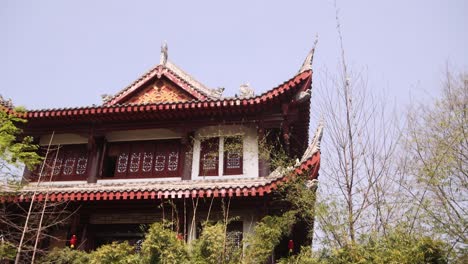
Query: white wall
(142, 134)
(250, 148)
(114, 136)
(62, 139)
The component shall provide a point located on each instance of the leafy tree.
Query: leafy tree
(437, 146)
(15, 150)
(358, 168)
(396, 247)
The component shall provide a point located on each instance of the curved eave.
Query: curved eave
(281, 93)
(308, 168)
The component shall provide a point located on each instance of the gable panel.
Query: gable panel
(160, 91)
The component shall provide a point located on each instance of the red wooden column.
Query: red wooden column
(285, 127)
(187, 155)
(95, 149)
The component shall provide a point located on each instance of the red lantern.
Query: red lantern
(291, 246)
(73, 241)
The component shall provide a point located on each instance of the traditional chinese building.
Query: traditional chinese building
(168, 146)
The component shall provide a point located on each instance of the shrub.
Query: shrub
(209, 247)
(65, 256)
(161, 245)
(267, 234)
(115, 253)
(7, 251)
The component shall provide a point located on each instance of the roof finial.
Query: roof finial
(307, 65)
(163, 58)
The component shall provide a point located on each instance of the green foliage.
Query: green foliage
(395, 248)
(14, 150)
(7, 251)
(437, 147)
(161, 245)
(273, 151)
(118, 253)
(304, 257)
(65, 256)
(215, 246)
(210, 246)
(267, 234)
(301, 196)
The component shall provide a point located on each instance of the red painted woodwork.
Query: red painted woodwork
(160, 91)
(209, 157)
(146, 159)
(286, 89)
(233, 158)
(64, 163)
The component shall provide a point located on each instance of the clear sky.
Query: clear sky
(68, 53)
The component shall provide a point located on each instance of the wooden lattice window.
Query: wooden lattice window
(233, 160)
(209, 157)
(65, 162)
(146, 159)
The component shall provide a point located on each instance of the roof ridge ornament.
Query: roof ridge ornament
(106, 97)
(307, 64)
(246, 91)
(163, 57)
(8, 103)
(314, 146)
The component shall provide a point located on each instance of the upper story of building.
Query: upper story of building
(167, 126)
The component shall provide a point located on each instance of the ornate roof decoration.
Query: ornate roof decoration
(163, 57)
(245, 91)
(307, 65)
(7, 103)
(165, 67)
(303, 95)
(314, 146)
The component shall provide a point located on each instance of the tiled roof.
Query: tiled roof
(288, 88)
(174, 73)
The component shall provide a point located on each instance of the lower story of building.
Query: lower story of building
(91, 224)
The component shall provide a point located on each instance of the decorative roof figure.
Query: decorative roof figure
(8, 103)
(163, 58)
(245, 91)
(106, 97)
(218, 92)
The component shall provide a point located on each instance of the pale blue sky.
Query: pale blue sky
(68, 53)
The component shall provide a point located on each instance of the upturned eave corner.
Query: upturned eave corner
(307, 64)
